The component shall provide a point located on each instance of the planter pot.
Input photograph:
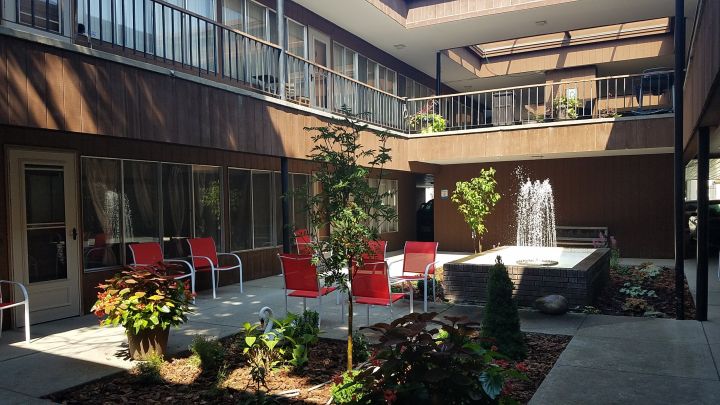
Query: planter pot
(143, 343)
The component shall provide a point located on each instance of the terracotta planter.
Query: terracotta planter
(148, 341)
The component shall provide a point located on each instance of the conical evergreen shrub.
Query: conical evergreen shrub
(501, 322)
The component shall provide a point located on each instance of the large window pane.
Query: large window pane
(142, 214)
(273, 27)
(240, 193)
(296, 38)
(278, 206)
(234, 12)
(301, 184)
(256, 20)
(177, 208)
(102, 212)
(262, 209)
(205, 8)
(207, 198)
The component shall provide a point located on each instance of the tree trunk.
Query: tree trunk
(350, 333)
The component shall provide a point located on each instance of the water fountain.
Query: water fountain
(536, 265)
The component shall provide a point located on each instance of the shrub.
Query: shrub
(149, 370)
(636, 305)
(262, 352)
(208, 353)
(346, 390)
(427, 123)
(299, 333)
(636, 291)
(502, 321)
(361, 349)
(443, 364)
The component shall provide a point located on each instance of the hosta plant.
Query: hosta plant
(143, 298)
(420, 359)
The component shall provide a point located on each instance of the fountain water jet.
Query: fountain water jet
(536, 220)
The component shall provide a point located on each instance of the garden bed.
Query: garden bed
(643, 290)
(184, 382)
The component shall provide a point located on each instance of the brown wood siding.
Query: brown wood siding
(46, 87)
(426, 12)
(702, 84)
(631, 195)
(617, 135)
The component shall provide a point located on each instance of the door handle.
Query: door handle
(74, 233)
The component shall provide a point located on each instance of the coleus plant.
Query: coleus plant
(143, 298)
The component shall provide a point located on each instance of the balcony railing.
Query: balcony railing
(605, 97)
(166, 34)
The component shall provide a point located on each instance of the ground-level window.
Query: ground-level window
(389, 189)
(129, 201)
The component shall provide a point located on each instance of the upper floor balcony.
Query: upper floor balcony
(164, 34)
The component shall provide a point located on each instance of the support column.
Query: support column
(438, 72)
(703, 170)
(282, 79)
(678, 164)
(285, 186)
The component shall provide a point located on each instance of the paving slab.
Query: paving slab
(567, 385)
(715, 349)
(643, 329)
(712, 325)
(677, 359)
(530, 320)
(15, 398)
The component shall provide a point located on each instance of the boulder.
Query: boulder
(551, 304)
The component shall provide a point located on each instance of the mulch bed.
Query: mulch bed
(611, 300)
(184, 382)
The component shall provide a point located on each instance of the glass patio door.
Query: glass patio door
(320, 55)
(44, 220)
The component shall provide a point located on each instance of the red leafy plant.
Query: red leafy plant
(423, 360)
(143, 298)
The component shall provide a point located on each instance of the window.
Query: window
(140, 208)
(263, 209)
(102, 212)
(344, 60)
(261, 22)
(207, 198)
(391, 187)
(241, 218)
(376, 75)
(296, 38)
(298, 217)
(234, 14)
(177, 208)
(123, 203)
(204, 8)
(413, 89)
(45, 15)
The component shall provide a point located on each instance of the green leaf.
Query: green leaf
(492, 384)
(250, 340)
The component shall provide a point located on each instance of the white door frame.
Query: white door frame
(320, 80)
(67, 291)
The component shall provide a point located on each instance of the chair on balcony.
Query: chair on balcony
(301, 280)
(204, 258)
(371, 286)
(419, 260)
(7, 304)
(150, 254)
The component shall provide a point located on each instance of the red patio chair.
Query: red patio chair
(371, 286)
(301, 280)
(6, 304)
(378, 248)
(419, 262)
(150, 253)
(303, 241)
(204, 258)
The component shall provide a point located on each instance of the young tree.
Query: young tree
(475, 199)
(346, 206)
(501, 320)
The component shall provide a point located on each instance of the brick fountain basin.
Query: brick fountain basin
(576, 273)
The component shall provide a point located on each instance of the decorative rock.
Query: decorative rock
(551, 304)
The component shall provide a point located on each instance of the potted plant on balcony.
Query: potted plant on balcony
(427, 123)
(146, 301)
(566, 108)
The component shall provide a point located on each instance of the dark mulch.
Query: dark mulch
(543, 352)
(611, 300)
(183, 382)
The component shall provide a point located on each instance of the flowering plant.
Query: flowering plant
(143, 298)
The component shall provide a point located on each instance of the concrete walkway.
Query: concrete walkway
(624, 360)
(609, 360)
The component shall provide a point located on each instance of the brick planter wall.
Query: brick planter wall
(466, 283)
